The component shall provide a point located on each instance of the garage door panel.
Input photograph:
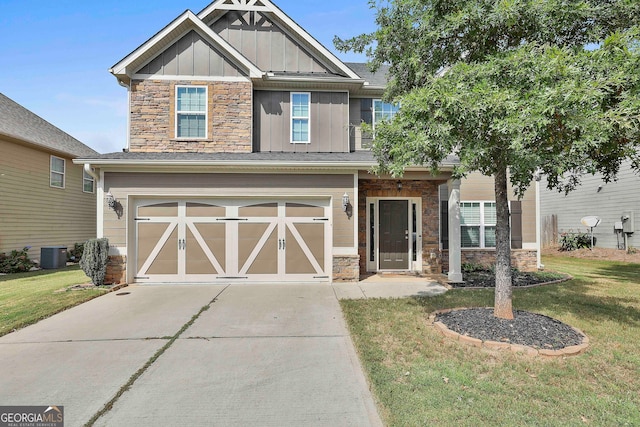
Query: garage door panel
(303, 210)
(297, 261)
(149, 237)
(197, 261)
(258, 246)
(262, 210)
(166, 262)
(159, 210)
(204, 210)
(313, 236)
(212, 239)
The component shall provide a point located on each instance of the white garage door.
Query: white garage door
(203, 241)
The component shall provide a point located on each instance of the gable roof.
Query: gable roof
(208, 15)
(19, 123)
(180, 26)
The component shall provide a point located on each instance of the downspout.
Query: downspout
(99, 200)
(128, 87)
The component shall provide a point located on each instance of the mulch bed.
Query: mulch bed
(528, 329)
(486, 279)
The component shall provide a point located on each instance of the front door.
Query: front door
(394, 235)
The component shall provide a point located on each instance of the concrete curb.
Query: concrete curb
(573, 350)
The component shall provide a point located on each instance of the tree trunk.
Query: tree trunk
(503, 305)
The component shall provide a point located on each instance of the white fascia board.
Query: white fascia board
(121, 67)
(268, 6)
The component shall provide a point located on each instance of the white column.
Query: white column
(455, 258)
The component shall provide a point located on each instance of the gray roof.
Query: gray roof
(379, 78)
(19, 123)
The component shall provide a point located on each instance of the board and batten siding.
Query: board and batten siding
(191, 56)
(32, 213)
(594, 197)
(127, 185)
(265, 44)
(328, 123)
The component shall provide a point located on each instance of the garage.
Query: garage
(232, 240)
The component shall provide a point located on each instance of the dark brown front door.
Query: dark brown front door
(394, 235)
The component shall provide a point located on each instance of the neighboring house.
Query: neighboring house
(616, 204)
(246, 162)
(46, 200)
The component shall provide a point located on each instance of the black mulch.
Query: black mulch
(486, 279)
(530, 329)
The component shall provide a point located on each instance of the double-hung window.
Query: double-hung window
(191, 112)
(88, 183)
(300, 117)
(478, 224)
(57, 170)
(383, 111)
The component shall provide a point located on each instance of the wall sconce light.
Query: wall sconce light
(346, 205)
(399, 185)
(113, 204)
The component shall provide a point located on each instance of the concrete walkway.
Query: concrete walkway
(242, 355)
(389, 286)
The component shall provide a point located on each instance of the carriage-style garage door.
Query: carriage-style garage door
(241, 240)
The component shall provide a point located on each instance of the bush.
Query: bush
(94, 260)
(75, 254)
(574, 241)
(16, 261)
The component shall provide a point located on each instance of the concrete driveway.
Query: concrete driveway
(241, 355)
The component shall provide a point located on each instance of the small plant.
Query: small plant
(573, 241)
(16, 261)
(631, 250)
(471, 267)
(94, 260)
(75, 254)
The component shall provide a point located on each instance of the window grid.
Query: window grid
(383, 111)
(88, 183)
(57, 172)
(478, 224)
(191, 112)
(300, 117)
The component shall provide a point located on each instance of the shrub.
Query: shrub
(94, 260)
(16, 261)
(574, 241)
(75, 254)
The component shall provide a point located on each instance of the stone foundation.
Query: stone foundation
(522, 259)
(346, 268)
(116, 270)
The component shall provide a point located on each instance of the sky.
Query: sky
(55, 55)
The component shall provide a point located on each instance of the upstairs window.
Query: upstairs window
(478, 224)
(383, 111)
(191, 112)
(88, 183)
(300, 116)
(57, 169)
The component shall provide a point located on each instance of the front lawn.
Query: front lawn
(419, 378)
(26, 298)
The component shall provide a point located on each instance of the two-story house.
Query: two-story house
(245, 162)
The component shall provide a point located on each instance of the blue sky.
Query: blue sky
(56, 54)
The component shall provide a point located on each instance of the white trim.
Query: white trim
(100, 207)
(194, 113)
(292, 118)
(345, 251)
(167, 77)
(356, 211)
(117, 251)
(63, 173)
(529, 246)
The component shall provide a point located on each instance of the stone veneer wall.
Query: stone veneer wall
(229, 127)
(522, 259)
(346, 268)
(425, 189)
(116, 270)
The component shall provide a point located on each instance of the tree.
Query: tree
(513, 88)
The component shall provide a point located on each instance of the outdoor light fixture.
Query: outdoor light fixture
(345, 202)
(399, 185)
(114, 205)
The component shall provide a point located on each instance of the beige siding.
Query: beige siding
(477, 187)
(281, 186)
(328, 123)
(262, 42)
(191, 56)
(34, 214)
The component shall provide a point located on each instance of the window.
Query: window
(478, 224)
(300, 114)
(56, 177)
(88, 183)
(191, 112)
(383, 111)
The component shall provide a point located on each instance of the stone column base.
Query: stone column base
(346, 268)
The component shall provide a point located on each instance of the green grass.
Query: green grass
(26, 298)
(420, 378)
